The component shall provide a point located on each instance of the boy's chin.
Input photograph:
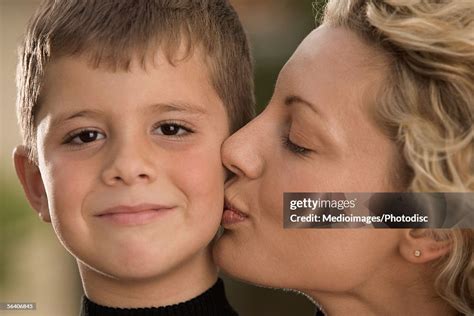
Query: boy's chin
(132, 269)
(142, 265)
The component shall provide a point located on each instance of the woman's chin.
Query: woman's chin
(227, 256)
(234, 261)
(221, 251)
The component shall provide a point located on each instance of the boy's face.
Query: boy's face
(129, 169)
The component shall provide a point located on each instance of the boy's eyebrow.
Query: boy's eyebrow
(178, 106)
(68, 116)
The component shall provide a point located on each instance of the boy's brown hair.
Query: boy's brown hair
(112, 33)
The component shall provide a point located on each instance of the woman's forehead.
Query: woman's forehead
(333, 64)
(338, 49)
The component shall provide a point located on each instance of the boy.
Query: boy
(123, 106)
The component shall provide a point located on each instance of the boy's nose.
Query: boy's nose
(130, 163)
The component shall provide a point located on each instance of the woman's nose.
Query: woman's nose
(129, 163)
(241, 152)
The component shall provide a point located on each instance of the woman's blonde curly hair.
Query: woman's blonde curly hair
(427, 107)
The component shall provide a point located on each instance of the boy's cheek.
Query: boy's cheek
(63, 178)
(200, 173)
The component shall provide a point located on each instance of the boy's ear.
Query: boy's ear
(31, 181)
(422, 246)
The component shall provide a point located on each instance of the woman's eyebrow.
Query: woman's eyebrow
(294, 99)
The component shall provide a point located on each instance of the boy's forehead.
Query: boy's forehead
(136, 62)
(73, 84)
(161, 59)
(149, 55)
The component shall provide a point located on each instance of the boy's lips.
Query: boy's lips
(232, 215)
(133, 215)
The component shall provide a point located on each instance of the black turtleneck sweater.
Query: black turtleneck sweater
(213, 302)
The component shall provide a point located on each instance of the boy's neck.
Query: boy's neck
(184, 283)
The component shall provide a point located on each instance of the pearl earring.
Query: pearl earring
(417, 253)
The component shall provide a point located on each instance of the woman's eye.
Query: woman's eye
(294, 148)
(172, 129)
(84, 137)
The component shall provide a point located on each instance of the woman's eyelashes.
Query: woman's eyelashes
(294, 148)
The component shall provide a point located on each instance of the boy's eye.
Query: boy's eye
(172, 129)
(84, 137)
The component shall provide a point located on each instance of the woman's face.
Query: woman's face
(316, 135)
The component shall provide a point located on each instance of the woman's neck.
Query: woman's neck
(354, 305)
(412, 294)
(183, 283)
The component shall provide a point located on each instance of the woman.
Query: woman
(379, 98)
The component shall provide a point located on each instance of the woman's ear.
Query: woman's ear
(30, 177)
(422, 245)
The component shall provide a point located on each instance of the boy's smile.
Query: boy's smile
(134, 215)
(130, 165)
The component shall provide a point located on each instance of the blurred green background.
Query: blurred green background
(33, 265)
